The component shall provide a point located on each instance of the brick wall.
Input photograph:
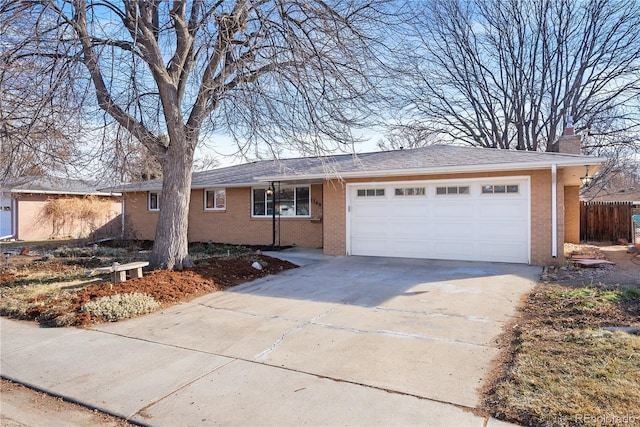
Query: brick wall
(32, 225)
(572, 214)
(335, 217)
(140, 222)
(234, 225)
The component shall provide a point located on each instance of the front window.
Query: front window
(154, 200)
(215, 199)
(290, 201)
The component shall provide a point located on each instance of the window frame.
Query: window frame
(371, 192)
(493, 188)
(158, 200)
(419, 191)
(447, 187)
(267, 202)
(215, 191)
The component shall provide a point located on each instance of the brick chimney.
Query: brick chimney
(569, 142)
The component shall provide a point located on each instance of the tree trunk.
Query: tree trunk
(170, 248)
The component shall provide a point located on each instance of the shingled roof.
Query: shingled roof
(52, 185)
(426, 160)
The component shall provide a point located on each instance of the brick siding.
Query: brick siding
(233, 225)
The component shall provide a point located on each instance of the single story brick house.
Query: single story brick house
(439, 202)
(24, 203)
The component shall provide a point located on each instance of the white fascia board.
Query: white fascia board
(495, 167)
(66, 193)
(234, 185)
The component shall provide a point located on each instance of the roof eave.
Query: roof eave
(66, 193)
(582, 161)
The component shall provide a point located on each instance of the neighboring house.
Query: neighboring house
(39, 208)
(613, 195)
(441, 202)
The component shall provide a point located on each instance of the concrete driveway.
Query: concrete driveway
(347, 340)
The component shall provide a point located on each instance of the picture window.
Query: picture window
(289, 201)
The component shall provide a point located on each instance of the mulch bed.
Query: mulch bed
(166, 287)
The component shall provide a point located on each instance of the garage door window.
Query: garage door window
(371, 192)
(452, 190)
(410, 191)
(501, 189)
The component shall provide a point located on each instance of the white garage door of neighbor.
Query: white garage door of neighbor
(474, 220)
(5, 216)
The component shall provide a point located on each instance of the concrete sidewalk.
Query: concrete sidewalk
(343, 341)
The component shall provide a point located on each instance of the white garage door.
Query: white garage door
(475, 220)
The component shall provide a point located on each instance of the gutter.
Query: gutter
(73, 193)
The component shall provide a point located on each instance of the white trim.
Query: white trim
(554, 211)
(266, 215)
(74, 193)
(149, 208)
(122, 218)
(494, 167)
(215, 198)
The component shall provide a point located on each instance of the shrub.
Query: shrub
(121, 306)
(67, 252)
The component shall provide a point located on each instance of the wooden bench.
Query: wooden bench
(122, 272)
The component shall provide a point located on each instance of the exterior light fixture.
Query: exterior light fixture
(586, 179)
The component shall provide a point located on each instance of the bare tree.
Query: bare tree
(37, 114)
(508, 74)
(407, 136)
(274, 72)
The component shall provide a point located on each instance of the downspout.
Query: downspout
(122, 218)
(554, 211)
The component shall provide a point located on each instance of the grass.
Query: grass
(565, 368)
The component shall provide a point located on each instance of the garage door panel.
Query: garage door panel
(417, 229)
(373, 211)
(369, 246)
(454, 230)
(510, 231)
(474, 226)
(452, 249)
(450, 209)
(492, 250)
(370, 228)
(501, 209)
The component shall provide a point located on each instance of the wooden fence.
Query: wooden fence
(605, 221)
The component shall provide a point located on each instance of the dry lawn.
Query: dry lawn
(572, 358)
